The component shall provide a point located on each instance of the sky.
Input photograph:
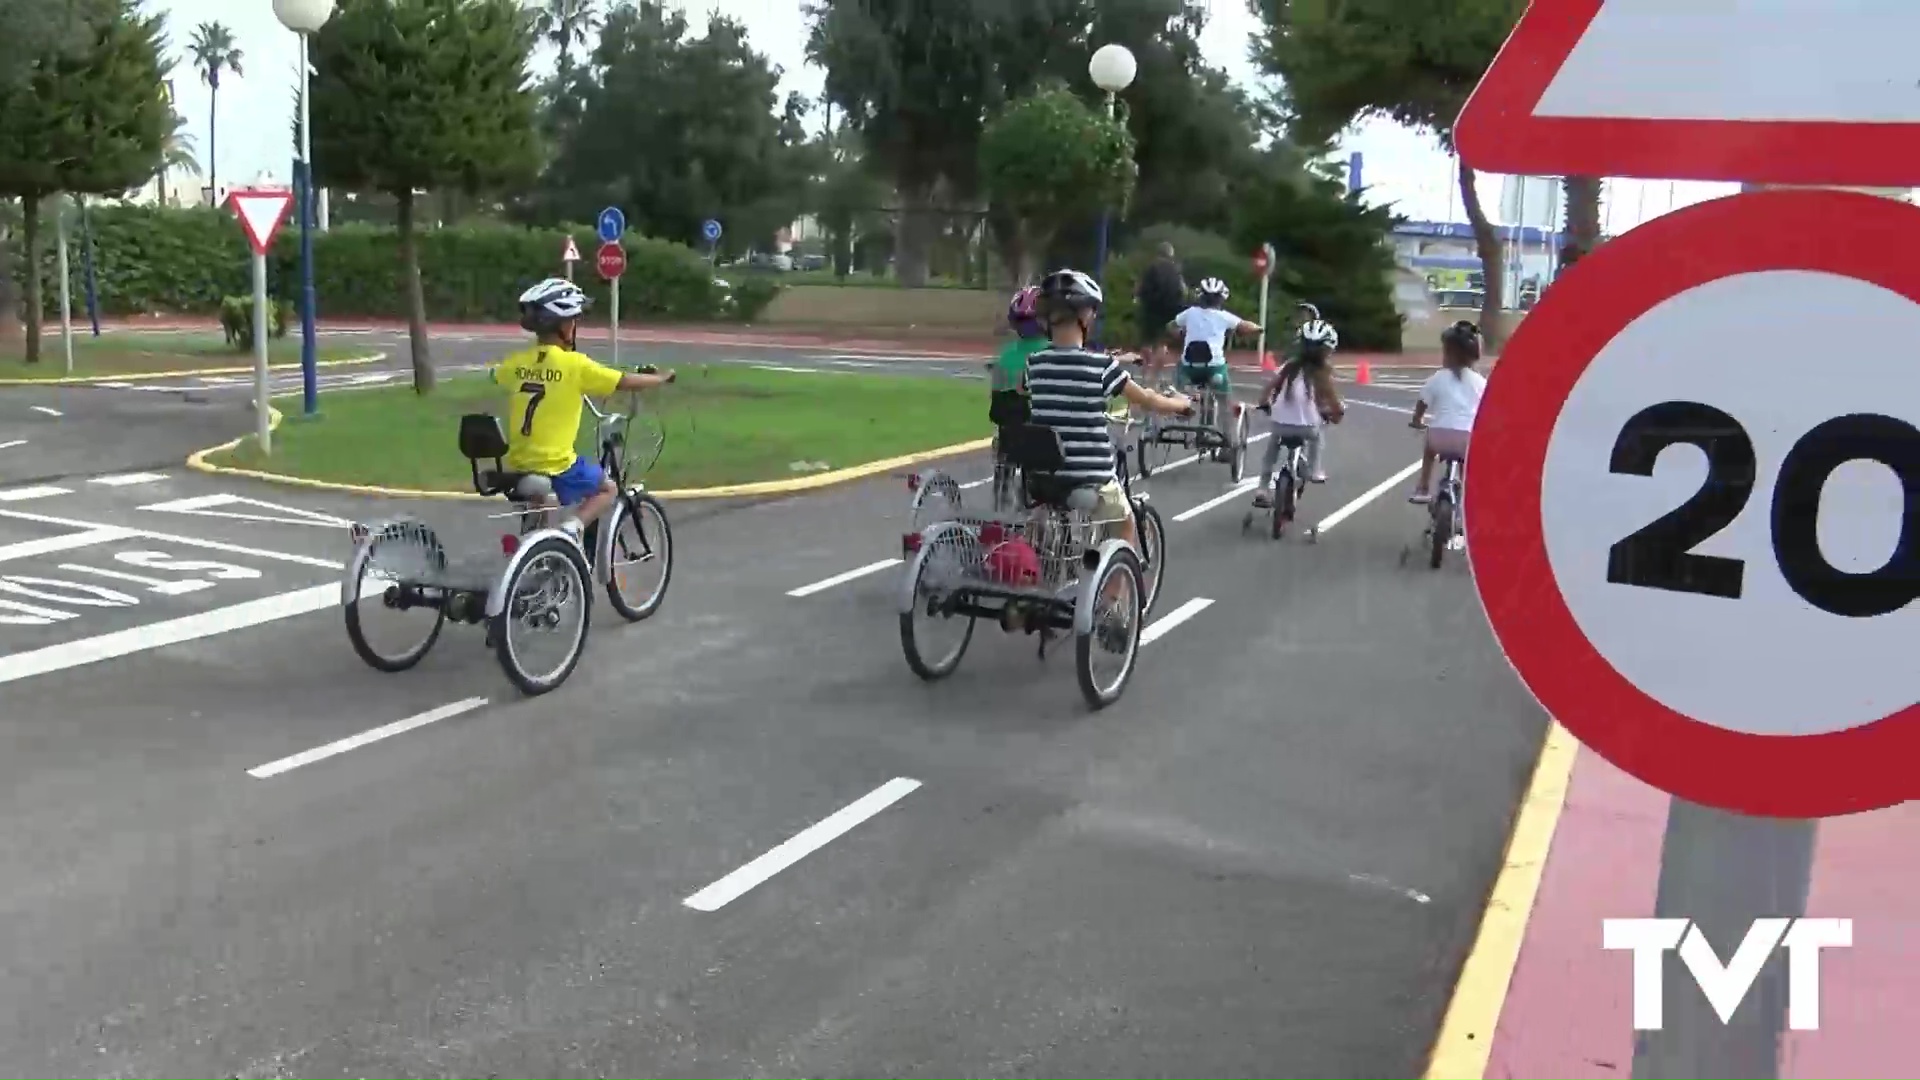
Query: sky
(1401, 167)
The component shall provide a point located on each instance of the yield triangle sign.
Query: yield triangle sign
(1781, 92)
(260, 214)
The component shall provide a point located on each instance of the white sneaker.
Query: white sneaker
(1458, 543)
(573, 527)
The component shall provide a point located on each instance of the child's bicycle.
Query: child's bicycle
(1289, 484)
(1444, 521)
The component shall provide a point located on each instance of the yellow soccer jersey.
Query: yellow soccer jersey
(543, 414)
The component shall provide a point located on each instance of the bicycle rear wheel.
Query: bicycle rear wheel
(1284, 493)
(936, 572)
(388, 600)
(1237, 448)
(1117, 621)
(1442, 532)
(549, 583)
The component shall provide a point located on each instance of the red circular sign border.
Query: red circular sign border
(1864, 237)
(600, 259)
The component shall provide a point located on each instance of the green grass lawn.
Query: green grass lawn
(723, 425)
(141, 352)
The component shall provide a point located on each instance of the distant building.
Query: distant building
(1445, 252)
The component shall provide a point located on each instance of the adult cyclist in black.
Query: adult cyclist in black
(1158, 299)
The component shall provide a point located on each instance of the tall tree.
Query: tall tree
(214, 53)
(415, 95)
(1045, 158)
(35, 31)
(1413, 63)
(917, 78)
(90, 122)
(1583, 218)
(176, 152)
(567, 25)
(849, 200)
(677, 129)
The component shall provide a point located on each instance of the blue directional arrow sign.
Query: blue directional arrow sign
(710, 231)
(613, 225)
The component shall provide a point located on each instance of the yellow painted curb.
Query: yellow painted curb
(149, 376)
(199, 463)
(1465, 1042)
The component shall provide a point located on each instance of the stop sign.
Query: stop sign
(611, 260)
(1263, 260)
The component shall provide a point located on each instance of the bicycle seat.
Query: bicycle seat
(481, 437)
(1293, 442)
(518, 486)
(1058, 494)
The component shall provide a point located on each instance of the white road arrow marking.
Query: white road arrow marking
(281, 515)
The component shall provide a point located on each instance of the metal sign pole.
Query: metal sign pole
(263, 424)
(86, 259)
(615, 305)
(1724, 870)
(66, 285)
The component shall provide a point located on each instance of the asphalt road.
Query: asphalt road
(1268, 859)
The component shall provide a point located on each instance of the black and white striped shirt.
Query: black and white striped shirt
(1070, 389)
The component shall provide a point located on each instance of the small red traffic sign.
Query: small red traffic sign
(1263, 260)
(1786, 92)
(261, 212)
(611, 260)
(1693, 507)
(570, 253)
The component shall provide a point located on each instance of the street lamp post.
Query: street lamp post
(305, 18)
(1112, 69)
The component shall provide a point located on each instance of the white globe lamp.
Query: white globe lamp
(303, 16)
(1112, 68)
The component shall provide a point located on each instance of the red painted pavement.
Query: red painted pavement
(1568, 1010)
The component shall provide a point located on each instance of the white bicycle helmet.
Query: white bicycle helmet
(1319, 332)
(1213, 289)
(550, 303)
(1071, 290)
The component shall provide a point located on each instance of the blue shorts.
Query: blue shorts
(580, 482)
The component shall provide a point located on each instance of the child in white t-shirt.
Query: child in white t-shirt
(1449, 402)
(1203, 330)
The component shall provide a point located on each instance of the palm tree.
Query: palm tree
(565, 24)
(176, 153)
(213, 52)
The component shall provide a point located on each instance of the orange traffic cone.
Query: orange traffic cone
(1267, 364)
(1364, 373)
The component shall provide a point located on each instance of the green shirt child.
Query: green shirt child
(1010, 370)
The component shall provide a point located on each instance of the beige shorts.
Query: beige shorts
(1113, 510)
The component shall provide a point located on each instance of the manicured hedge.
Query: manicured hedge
(185, 261)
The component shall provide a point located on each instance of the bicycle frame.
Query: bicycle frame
(611, 429)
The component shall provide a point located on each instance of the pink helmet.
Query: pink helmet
(1023, 311)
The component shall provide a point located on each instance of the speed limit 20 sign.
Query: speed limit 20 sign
(1694, 514)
